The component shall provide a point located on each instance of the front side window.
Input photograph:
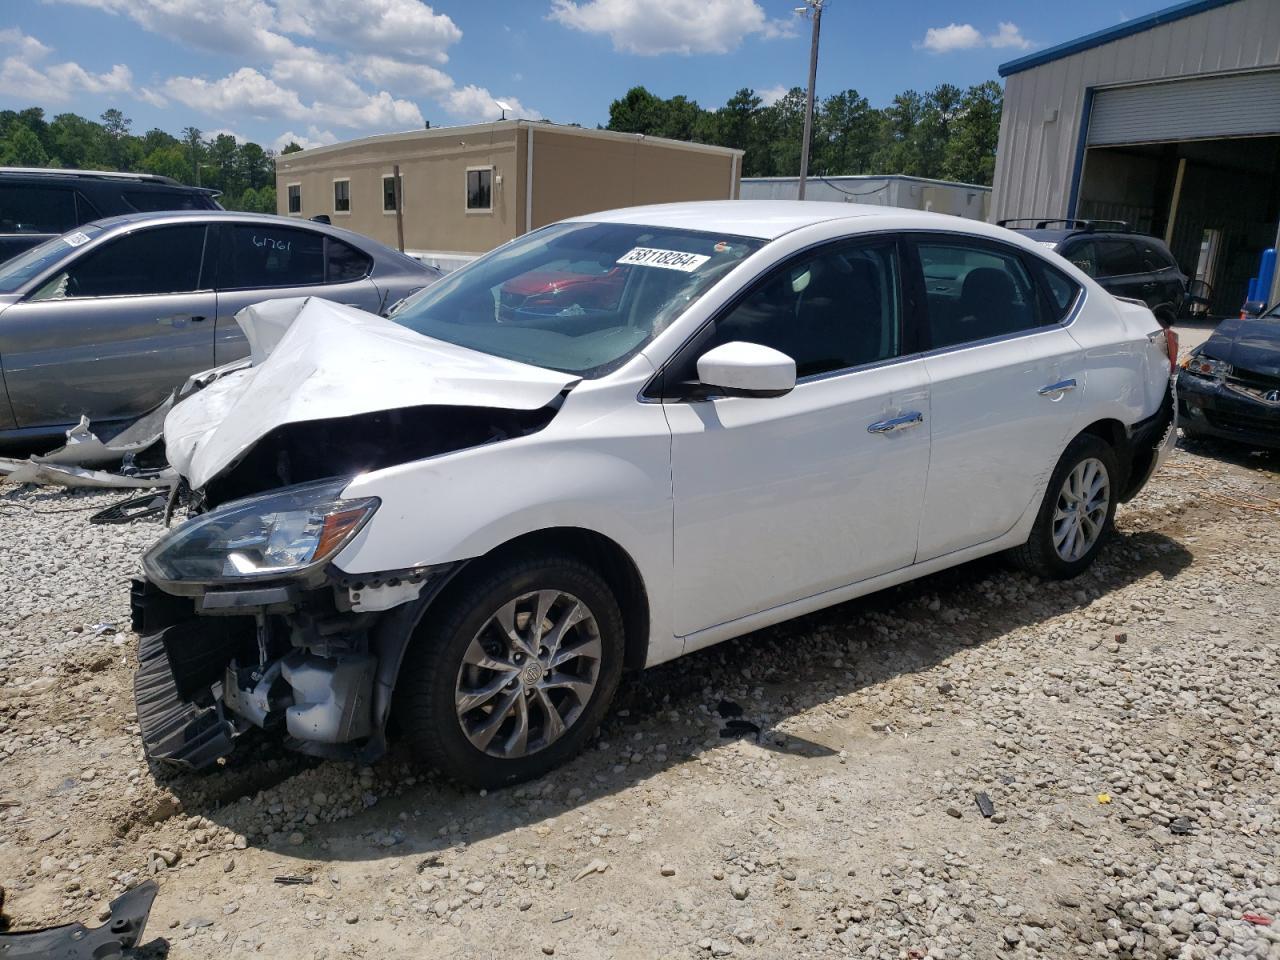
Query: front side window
(28, 209)
(267, 256)
(832, 310)
(148, 262)
(295, 197)
(342, 196)
(577, 297)
(480, 189)
(389, 194)
(974, 292)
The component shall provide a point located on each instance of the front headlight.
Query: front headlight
(1203, 366)
(277, 534)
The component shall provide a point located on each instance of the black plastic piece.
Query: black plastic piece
(152, 609)
(173, 731)
(198, 650)
(985, 806)
(74, 941)
(134, 508)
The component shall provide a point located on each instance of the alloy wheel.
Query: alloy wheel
(528, 674)
(1081, 510)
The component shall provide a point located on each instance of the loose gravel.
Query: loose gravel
(1123, 728)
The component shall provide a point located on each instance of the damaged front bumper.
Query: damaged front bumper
(1228, 411)
(315, 661)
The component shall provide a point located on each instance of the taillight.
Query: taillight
(1171, 347)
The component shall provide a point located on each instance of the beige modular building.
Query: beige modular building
(1169, 122)
(465, 190)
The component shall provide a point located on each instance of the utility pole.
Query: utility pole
(813, 9)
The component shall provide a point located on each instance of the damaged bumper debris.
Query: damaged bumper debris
(74, 941)
(245, 623)
(315, 661)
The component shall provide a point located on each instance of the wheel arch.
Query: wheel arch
(394, 634)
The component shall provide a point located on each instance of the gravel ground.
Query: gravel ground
(1123, 726)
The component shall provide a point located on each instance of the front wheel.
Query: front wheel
(1076, 516)
(511, 675)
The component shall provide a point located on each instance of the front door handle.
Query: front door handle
(910, 419)
(1062, 386)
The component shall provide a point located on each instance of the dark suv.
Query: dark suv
(36, 204)
(1125, 263)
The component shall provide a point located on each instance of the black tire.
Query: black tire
(1038, 555)
(425, 690)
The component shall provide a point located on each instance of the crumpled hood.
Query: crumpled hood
(1249, 344)
(314, 360)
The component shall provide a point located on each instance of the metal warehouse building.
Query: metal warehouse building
(465, 190)
(1170, 122)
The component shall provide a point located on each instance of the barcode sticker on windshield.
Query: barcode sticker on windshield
(75, 239)
(1051, 244)
(667, 259)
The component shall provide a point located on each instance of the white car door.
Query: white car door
(784, 498)
(1005, 381)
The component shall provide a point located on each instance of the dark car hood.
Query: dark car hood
(1252, 344)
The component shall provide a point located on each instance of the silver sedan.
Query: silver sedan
(105, 321)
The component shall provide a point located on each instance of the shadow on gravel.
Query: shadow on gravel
(792, 664)
(1227, 451)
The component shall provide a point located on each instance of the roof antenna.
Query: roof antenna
(504, 107)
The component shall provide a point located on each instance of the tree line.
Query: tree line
(946, 133)
(244, 172)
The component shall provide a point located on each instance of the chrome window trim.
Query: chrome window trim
(1066, 322)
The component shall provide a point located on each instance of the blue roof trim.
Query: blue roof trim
(1127, 29)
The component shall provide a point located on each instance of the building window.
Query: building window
(342, 196)
(480, 189)
(389, 193)
(295, 198)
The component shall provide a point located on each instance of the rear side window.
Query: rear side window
(1061, 290)
(831, 310)
(345, 262)
(1118, 258)
(34, 209)
(146, 201)
(269, 256)
(160, 260)
(975, 292)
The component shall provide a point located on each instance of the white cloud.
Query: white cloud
(406, 27)
(25, 75)
(1008, 35)
(402, 77)
(965, 36)
(670, 26)
(377, 111)
(477, 103)
(152, 97)
(214, 134)
(245, 92)
(313, 138)
(771, 95)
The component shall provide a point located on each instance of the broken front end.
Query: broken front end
(245, 622)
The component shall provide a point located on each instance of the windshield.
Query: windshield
(15, 273)
(580, 298)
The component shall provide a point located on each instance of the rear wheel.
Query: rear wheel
(513, 673)
(1076, 516)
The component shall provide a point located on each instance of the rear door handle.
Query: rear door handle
(1062, 386)
(910, 419)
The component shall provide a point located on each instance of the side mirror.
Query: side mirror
(1253, 309)
(740, 369)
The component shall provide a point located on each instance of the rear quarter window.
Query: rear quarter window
(146, 201)
(1060, 290)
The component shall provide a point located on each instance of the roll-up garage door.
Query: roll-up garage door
(1239, 105)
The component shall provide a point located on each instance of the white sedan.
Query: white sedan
(611, 442)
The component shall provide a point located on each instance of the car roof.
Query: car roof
(770, 219)
(136, 179)
(124, 220)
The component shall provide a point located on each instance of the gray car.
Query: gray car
(107, 320)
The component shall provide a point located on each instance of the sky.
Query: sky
(321, 71)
